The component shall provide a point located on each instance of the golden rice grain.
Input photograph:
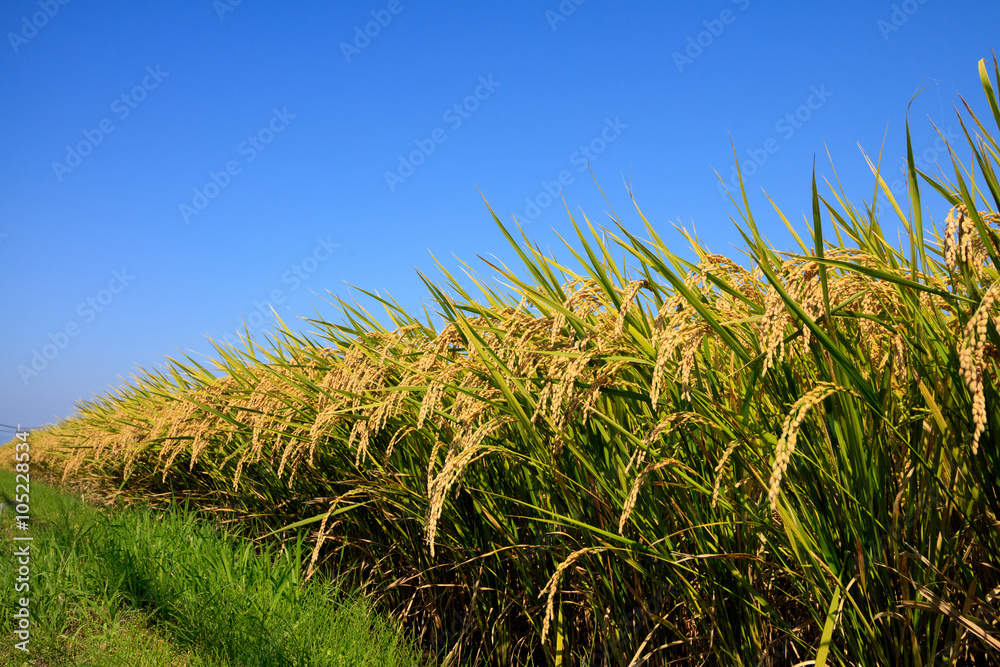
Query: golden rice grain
(633, 495)
(553, 586)
(789, 434)
(972, 359)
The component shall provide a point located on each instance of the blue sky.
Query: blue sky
(170, 168)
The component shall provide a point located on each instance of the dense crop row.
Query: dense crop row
(647, 459)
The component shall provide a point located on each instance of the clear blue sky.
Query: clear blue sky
(168, 167)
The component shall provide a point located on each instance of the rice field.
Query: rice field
(630, 457)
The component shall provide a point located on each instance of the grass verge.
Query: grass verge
(143, 587)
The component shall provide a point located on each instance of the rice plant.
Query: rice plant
(791, 457)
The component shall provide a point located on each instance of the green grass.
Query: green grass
(145, 587)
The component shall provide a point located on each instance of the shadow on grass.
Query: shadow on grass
(208, 593)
